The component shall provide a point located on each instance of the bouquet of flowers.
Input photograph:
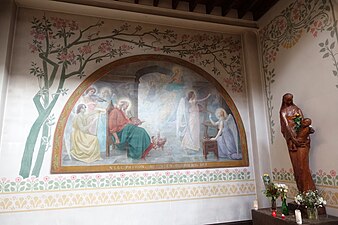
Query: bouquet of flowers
(275, 190)
(271, 189)
(283, 190)
(310, 199)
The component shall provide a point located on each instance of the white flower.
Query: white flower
(299, 199)
(310, 199)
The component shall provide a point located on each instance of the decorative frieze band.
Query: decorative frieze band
(327, 184)
(113, 180)
(18, 202)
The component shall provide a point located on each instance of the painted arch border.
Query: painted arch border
(56, 166)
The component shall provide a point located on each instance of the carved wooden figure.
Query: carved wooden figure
(296, 130)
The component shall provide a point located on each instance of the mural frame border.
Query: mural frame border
(56, 166)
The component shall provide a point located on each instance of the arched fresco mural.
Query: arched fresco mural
(148, 112)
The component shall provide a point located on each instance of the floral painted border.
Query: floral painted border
(107, 197)
(73, 191)
(321, 178)
(285, 30)
(117, 180)
(329, 194)
(326, 182)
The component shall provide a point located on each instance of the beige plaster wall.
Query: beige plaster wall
(299, 66)
(201, 196)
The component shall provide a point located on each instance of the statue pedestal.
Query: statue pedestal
(293, 206)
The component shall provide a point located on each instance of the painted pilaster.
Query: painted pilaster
(258, 123)
(7, 18)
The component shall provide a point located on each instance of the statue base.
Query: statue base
(293, 206)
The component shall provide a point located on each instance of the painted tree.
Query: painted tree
(285, 30)
(64, 50)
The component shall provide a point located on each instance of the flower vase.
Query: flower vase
(285, 209)
(273, 204)
(312, 213)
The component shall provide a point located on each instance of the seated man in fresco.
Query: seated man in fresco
(126, 133)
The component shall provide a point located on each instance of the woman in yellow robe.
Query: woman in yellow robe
(85, 146)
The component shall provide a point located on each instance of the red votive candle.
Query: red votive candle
(283, 216)
(274, 214)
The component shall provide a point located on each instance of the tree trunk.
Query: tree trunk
(26, 161)
(41, 153)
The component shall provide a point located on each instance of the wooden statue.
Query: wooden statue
(296, 130)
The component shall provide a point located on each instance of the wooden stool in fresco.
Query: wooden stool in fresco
(210, 146)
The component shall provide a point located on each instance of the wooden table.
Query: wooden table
(264, 217)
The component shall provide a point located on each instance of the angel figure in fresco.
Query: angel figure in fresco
(85, 146)
(127, 134)
(175, 82)
(177, 77)
(227, 135)
(91, 100)
(188, 121)
(92, 114)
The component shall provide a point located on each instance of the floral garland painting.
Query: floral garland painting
(64, 48)
(285, 30)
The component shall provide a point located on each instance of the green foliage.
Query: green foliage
(310, 199)
(274, 190)
(298, 122)
(271, 190)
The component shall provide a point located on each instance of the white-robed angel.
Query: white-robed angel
(227, 135)
(188, 121)
(91, 100)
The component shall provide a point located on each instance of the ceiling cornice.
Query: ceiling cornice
(142, 13)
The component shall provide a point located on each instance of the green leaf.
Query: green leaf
(322, 50)
(326, 55)
(321, 44)
(332, 45)
(332, 33)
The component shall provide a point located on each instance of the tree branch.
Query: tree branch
(81, 67)
(55, 69)
(37, 103)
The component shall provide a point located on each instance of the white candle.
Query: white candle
(298, 215)
(255, 205)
